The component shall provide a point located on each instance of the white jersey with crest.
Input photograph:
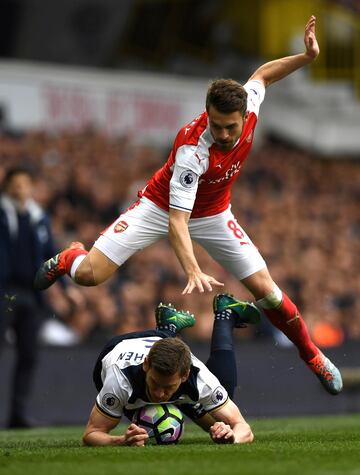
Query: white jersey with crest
(124, 381)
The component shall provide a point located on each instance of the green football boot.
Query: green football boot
(244, 312)
(167, 317)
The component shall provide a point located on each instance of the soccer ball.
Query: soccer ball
(163, 422)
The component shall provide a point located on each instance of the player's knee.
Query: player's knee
(272, 299)
(85, 274)
(95, 269)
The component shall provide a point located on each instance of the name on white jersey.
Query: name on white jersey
(131, 356)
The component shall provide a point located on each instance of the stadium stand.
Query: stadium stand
(297, 196)
(301, 210)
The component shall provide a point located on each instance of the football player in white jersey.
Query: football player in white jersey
(189, 199)
(155, 366)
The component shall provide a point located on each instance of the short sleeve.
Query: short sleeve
(114, 395)
(212, 395)
(256, 95)
(185, 178)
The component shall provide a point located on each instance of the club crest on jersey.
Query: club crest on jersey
(120, 226)
(250, 136)
(110, 401)
(188, 179)
(218, 395)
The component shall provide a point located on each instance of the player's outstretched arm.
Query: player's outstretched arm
(230, 426)
(181, 242)
(98, 428)
(280, 68)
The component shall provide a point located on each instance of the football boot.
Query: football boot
(167, 317)
(327, 372)
(53, 268)
(244, 312)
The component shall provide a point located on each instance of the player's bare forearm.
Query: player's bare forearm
(205, 422)
(134, 436)
(181, 242)
(222, 433)
(98, 438)
(276, 70)
(242, 433)
(227, 431)
(98, 427)
(231, 427)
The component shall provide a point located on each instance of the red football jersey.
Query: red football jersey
(197, 176)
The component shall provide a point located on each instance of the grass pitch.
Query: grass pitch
(298, 446)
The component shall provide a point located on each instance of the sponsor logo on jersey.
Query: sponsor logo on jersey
(230, 172)
(110, 401)
(188, 179)
(120, 226)
(218, 395)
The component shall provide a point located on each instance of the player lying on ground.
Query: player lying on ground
(155, 366)
(189, 198)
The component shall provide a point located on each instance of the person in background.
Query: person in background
(25, 241)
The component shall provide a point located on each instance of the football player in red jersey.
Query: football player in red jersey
(189, 199)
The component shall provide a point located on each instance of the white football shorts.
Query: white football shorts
(144, 223)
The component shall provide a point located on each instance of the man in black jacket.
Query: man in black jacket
(25, 241)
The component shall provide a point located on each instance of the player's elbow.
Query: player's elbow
(88, 439)
(249, 436)
(244, 434)
(262, 77)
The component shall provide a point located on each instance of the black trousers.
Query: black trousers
(20, 309)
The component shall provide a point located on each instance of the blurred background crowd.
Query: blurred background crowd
(300, 210)
(92, 93)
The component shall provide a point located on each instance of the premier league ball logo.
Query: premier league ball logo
(218, 396)
(188, 179)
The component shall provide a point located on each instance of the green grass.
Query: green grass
(306, 446)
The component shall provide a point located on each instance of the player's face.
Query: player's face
(20, 187)
(161, 387)
(225, 128)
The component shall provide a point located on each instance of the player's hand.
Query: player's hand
(311, 44)
(222, 433)
(201, 282)
(135, 436)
